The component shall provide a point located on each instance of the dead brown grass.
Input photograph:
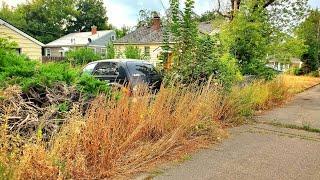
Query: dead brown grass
(122, 137)
(298, 84)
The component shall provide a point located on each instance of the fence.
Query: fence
(46, 59)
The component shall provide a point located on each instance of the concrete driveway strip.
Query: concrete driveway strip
(303, 110)
(262, 151)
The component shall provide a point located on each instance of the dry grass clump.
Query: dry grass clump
(298, 84)
(121, 137)
(126, 136)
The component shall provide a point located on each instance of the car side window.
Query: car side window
(106, 69)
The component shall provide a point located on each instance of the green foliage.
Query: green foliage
(309, 31)
(283, 49)
(82, 56)
(17, 69)
(7, 44)
(185, 33)
(49, 74)
(47, 20)
(228, 71)
(88, 85)
(89, 13)
(64, 107)
(145, 17)
(111, 52)
(247, 38)
(132, 52)
(122, 31)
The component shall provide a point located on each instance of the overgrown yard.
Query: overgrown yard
(119, 137)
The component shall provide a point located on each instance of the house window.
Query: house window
(103, 52)
(147, 51)
(48, 52)
(18, 50)
(113, 38)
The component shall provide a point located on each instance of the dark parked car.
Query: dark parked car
(125, 73)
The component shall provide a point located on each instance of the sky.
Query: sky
(125, 12)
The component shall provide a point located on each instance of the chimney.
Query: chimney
(156, 23)
(93, 30)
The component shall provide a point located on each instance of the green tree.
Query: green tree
(48, 20)
(145, 17)
(89, 13)
(248, 37)
(282, 14)
(184, 30)
(309, 30)
(286, 47)
(132, 52)
(82, 56)
(123, 31)
(111, 52)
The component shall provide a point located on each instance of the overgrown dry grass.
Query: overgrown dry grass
(298, 84)
(121, 137)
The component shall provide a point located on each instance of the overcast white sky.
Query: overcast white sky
(125, 12)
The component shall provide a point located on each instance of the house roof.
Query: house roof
(146, 35)
(78, 39)
(8, 25)
(143, 35)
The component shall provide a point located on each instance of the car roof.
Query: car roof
(120, 61)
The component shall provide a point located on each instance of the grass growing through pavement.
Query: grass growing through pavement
(121, 137)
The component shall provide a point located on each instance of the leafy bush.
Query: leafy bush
(132, 52)
(82, 56)
(17, 69)
(49, 74)
(7, 44)
(111, 52)
(315, 74)
(89, 85)
(228, 71)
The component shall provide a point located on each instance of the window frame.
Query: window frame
(147, 51)
(103, 52)
(48, 52)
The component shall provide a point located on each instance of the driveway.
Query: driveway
(263, 150)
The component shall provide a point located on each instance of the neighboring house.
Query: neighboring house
(150, 40)
(96, 40)
(283, 67)
(27, 45)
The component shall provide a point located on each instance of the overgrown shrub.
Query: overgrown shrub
(228, 72)
(121, 137)
(90, 86)
(111, 52)
(82, 56)
(49, 74)
(19, 70)
(14, 68)
(132, 52)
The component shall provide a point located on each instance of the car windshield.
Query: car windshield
(89, 68)
(141, 69)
